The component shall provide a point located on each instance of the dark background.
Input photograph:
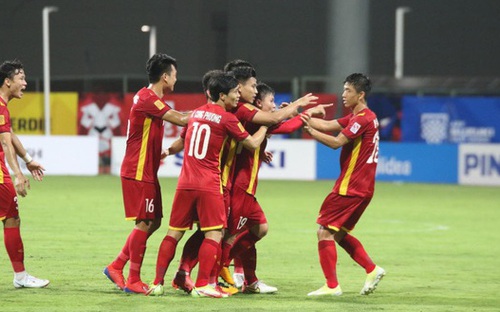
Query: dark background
(283, 38)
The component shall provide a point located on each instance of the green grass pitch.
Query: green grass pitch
(438, 243)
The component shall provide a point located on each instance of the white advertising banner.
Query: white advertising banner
(63, 155)
(479, 164)
(292, 160)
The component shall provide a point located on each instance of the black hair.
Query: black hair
(9, 69)
(360, 82)
(230, 66)
(158, 64)
(221, 84)
(244, 73)
(209, 75)
(263, 90)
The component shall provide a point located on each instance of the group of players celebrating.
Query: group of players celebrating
(224, 144)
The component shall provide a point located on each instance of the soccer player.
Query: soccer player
(247, 112)
(13, 84)
(190, 250)
(139, 172)
(353, 190)
(246, 212)
(199, 192)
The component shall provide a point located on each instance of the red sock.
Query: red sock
(243, 243)
(214, 275)
(14, 245)
(123, 256)
(165, 255)
(249, 262)
(328, 260)
(225, 257)
(207, 258)
(238, 266)
(137, 248)
(190, 251)
(357, 252)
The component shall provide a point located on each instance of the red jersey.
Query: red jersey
(247, 163)
(144, 137)
(245, 113)
(204, 137)
(359, 157)
(5, 126)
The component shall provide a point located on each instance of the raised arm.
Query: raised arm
(325, 125)
(272, 118)
(328, 140)
(176, 117)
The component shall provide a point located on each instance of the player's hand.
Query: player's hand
(318, 110)
(305, 120)
(307, 100)
(268, 157)
(164, 154)
(36, 170)
(22, 185)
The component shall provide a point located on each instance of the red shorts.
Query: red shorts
(142, 200)
(245, 212)
(342, 212)
(191, 205)
(8, 201)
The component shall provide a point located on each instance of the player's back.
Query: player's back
(204, 137)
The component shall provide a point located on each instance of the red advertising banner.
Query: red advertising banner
(327, 98)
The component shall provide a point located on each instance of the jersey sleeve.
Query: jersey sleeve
(154, 106)
(356, 126)
(235, 128)
(344, 121)
(183, 133)
(288, 126)
(5, 125)
(246, 112)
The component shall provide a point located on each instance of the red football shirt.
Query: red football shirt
(5, 126)
(359, 157)
(144, 137)
(204, 137)
(245, 113)
(247, 163)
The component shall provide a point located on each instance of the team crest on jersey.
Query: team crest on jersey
(159, 104)
(2, 120)
(355, 127)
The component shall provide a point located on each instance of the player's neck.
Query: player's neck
(359, 107)
(221, 104)
(5, 96)
(157, 88)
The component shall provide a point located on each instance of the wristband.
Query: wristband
(27, 158)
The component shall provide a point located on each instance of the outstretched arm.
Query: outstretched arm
(271, 118)
(176, 117)
(328, 140)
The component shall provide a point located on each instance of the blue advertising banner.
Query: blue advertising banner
(417, 162)
(438, 120)
(405, 162)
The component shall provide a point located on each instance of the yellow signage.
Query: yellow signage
(28, 116)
